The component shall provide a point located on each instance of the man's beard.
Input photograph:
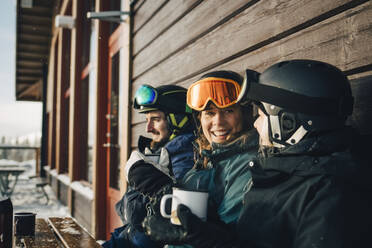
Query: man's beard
(156, 145)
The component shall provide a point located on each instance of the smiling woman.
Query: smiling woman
(227, 145)
(221, 125)
(221, 119)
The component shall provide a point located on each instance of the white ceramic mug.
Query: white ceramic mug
(197, 201)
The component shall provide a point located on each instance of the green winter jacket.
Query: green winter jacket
(227, 176)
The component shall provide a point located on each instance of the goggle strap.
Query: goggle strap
(173, 91)
(178, 126)
(226, 80)
(296, 102)
(183, 122)
(172, 136)
(174, 122)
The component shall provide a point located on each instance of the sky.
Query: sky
(17, 118)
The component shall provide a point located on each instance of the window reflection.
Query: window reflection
(115, 130)
(91, 102)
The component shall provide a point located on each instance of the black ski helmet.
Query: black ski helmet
(300, 96)
(170, 99)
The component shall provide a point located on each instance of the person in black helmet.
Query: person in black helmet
(308, 189)
(164, 158)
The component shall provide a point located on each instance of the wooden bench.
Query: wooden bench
(44, 237)
(71, 234)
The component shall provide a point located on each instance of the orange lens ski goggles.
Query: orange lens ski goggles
(221, 91)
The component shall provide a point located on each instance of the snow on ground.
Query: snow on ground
(26, 197)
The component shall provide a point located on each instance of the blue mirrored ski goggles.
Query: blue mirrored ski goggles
(146, 95)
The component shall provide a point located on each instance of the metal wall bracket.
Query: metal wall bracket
(110, 16)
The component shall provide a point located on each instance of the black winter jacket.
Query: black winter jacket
(132, 208)
(312, 194)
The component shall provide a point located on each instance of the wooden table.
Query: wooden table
(8, 179)
(61, 232)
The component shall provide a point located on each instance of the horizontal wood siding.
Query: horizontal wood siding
(361, 84)
(167, 16)
(137, 4)
(243, 34)
(137, 130)
(340, 40)
(235, 35)
(203, 19)
(146, 12)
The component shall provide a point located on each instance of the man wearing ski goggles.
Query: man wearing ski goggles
(165, 109)
(164, 158)
(169, 98)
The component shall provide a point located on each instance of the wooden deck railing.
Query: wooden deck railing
(35, 148)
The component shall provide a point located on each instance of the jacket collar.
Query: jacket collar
(245, 142)
(327, 154)
(308, 152)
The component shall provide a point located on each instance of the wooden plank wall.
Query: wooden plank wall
(175, 42)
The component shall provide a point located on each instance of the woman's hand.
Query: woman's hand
(192, 231)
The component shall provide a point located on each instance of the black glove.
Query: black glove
(193, 231)
(147, 179)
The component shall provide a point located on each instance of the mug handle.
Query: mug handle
(162, 205)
